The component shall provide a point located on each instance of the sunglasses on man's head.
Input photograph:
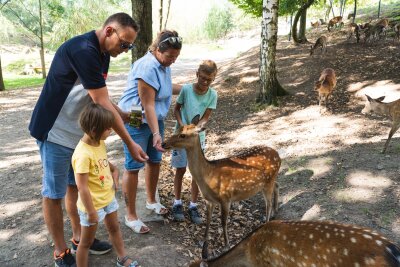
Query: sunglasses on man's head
(123, 44)
(172, 40)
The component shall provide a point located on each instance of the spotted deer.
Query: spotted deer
(308, 243)
(334, 22)
(325, 85)
(322, 42)
(315, 24)
(229, 179)
(391, 109)
(354, 29)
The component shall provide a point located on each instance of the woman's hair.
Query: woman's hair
(95, 119)
(208, 66)
(165, 40)
(124, 20)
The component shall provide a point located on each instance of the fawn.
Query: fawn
(229, 179)
(334, 21)
(315, 24)
(354, 28)
(391, 109)
(322, 42)
(325, 85)
(308, 243)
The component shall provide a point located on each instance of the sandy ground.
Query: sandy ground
(332, 166)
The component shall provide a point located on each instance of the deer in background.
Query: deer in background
(308, 243)
(354, 29)
(396, 29)
(229, 179)
(315, 24)
(325, 85)
(391, 109)
(334, 22)
(322, 42)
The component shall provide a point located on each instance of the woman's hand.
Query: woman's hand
(157, 142)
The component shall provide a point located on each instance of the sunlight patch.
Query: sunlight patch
(355, 194)
(291, 195)
(320, 166)
(312, 214)
(380, 88)
(6, 234)
(13, 208)
(366, 179)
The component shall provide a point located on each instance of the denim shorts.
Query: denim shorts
(143, 137)
(57, 169)
(179, 157)
(110, 208)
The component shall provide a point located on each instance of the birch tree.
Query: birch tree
(270, 87)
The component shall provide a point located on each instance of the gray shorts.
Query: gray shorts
(179, 157)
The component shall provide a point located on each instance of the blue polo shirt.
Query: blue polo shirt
(77, 65)
(148, 69)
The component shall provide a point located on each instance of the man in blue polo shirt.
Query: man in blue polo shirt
(76, 77)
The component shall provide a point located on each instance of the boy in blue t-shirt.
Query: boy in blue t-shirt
(194, 99)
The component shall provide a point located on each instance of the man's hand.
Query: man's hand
(137, 152)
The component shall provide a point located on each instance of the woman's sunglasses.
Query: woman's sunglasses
(172, 40)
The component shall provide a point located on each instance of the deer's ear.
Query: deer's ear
(368, 98)
(380, 99)
(196, 119)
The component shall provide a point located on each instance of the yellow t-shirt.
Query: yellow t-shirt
(93, 160)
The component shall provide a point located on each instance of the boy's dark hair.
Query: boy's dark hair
(208, 66)
(123, 20)
(95, 119)
(163, 44)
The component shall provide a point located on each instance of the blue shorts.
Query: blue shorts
(179, 157)
(110, 208)
(57, 169)
(143, 137)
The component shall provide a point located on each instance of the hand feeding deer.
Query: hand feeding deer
(229, 179)
(391, 109)
(308, 243)
(322, 42)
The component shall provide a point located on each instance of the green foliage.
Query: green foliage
(19, 81)
(218, 22)
(252, 7)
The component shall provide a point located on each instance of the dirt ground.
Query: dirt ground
(332, 168)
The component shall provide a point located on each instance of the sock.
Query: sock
(192, 205)
(177, 202)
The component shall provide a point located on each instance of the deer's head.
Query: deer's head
(372, 105)
(186, 136)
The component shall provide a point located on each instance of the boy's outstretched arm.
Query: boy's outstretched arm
(205, 118)
(82, 184)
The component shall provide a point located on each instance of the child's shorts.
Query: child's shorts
(110, 208)
(179, 157)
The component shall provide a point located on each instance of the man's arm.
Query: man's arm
(100, 96)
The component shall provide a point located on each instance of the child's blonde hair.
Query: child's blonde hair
(95, 119)
(208, 66)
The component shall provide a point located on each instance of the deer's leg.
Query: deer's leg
(225, 207)
(268, 192)
(210, 209)
(276, 198)
(395, 127)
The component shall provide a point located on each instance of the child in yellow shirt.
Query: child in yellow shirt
(97, 180)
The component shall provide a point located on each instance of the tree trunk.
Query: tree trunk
(2, 87)
(333, 13)
(355, 10)
(161, 13)
(290, 30)
(166, 18)
(42, 42)
(141, 12)
(379, 9)
(303, 25)
(270, 87)
(296, 40)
